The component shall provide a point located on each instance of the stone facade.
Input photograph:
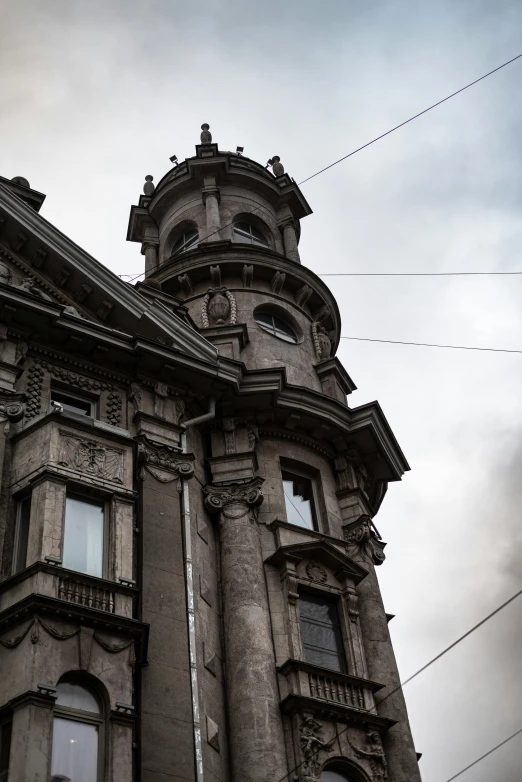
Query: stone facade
(151, 434)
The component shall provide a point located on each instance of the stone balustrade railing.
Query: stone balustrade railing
(86, 594)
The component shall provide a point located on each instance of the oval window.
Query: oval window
(187, 241)
(246, 233)
(276, 326)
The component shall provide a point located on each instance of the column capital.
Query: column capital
(248, 494)
(210, 190)
(164, 462)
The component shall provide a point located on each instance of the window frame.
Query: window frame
(93, 402)
(6, 719)
(77, 492)
(273, 330)
(249, 234)
(335, 601)
(20, 500)
(87, 718)
(291, 469)
(186, 245)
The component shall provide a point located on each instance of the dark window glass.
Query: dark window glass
(334, 776)
(246, 233)
(22, 534)
(5, 749)
(320, 632)
(72, 404)
(83, 540)
(187, 241)
(275, 326)
(299, 500)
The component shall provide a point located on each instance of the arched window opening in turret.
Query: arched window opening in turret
(188, 240)
(246, 233)
(275, 325)
(335, 776)
(77, 733)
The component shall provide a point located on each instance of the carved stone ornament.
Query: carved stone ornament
(235, 499)
(218, 307)
(321, 340)
(375, 754)
(11, 406)
(311, 746)
(206, 135)
(316, 572)
(91, 457)
(352, 473)
(166, 464)
(363, 541)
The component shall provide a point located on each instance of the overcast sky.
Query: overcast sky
(94, 95)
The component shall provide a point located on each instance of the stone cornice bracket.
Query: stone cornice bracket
(221, 499)
(364, 543)
(165, 463)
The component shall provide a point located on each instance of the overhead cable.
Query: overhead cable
(432, 345)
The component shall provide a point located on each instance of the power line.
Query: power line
(412, 274)
(410, 119)
(485, 755)
(427, 665)
(432, 345)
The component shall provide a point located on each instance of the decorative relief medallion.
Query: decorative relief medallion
(91, 457)
(316, 572)
(218, 307)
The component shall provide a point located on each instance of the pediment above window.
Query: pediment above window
(317, 561)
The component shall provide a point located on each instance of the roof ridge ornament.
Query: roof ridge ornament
(148, 187)
(206, 135)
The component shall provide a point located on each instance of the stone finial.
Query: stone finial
(277, 166)
(206, 135)
(20, 180)
(148, 187)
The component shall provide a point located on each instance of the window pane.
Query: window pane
(72, 405)
(241, 237)
(334, 776)
(298, 500)
(83, 537)
(76, 697)
(276, 326)
(5, 748)
(321, 636)
(24, 511)
(75, 750)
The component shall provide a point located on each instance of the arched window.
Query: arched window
(77, 733)
(246, 233)
(275, 325)
(187, 241)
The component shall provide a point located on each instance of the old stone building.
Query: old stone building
(188, 586)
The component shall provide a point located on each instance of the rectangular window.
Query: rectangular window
(321, 635)
(23, 513)
(70, 403)
(5, 749)
(83, 540)
(299, 500)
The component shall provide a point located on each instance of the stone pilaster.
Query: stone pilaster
(256, 730)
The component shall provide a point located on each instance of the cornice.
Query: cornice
(329, 710)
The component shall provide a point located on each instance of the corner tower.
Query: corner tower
(293, 671)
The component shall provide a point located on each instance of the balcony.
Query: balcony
(305, 686)
(53, 581)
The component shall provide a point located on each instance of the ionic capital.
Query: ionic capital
(245, 495)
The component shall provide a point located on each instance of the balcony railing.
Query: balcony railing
(303, 680)
(76, 591)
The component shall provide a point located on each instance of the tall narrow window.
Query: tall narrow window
(22, 534)
(322, 642)
(83, 540)
(5, 748)
(299, 500)
(246, 233)
(77, 723)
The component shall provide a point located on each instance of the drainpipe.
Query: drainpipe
(189, 581)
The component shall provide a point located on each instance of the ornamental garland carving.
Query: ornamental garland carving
(363, 541)
(91, 457)
(218, 306)
(35, 377)
(321, 340)
(166, 464)
(234, 500)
